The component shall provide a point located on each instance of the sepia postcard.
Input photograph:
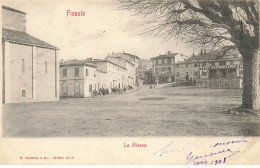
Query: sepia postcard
(130, 82)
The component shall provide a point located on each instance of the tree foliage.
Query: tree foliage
(203, 23)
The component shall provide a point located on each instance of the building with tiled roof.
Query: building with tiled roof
(79, 78)
(219, 68)
(74, 62)
(19, 37)
(30, 65)
(129, 61)
(163, 67)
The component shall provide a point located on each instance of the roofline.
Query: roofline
(234, 58)
(77, 64)
(28, 44)
(122, 59)
(12, 9)
(130, 62)
(174, 54)
(101, 71)
(131, 55)
(109, 62)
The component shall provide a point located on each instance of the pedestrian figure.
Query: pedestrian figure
(124, 89)
(151, 86)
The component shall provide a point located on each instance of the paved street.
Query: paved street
(176, 111)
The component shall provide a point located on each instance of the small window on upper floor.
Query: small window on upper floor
(222, 62)
(204, 64)
(46, 67)
(23, 93)
(86, 72)
(64, 73)
(76, 72)
(22, 65)
(178, 74)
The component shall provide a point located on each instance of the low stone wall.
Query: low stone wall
(219, 83)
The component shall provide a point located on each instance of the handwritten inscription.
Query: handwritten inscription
(194, 159)
(213, 156)
(170, 148)
(229, 143)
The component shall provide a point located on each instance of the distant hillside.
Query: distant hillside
(144, 64)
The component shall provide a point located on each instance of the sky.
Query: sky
(104, 29)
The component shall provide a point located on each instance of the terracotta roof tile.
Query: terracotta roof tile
(24, 38)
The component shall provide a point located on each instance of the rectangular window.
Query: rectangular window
(178, 74)
(232, 62)
(195, 65)
(196, 73)
(169, 69)
(22, 65)
(76, 72)
(224, 73)
(222, 63)
(169, 60)
(177, 66)
(187, 65)
(156, 61)
(86, 72)
(46, 67)
(241, 72)
(212, 63)
(64, 73)
(204, 64)
(204, 74)
(163, 61)
(90, 88)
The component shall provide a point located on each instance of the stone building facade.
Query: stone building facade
(30, 66)
(129, 62)
(163, 67)
(116, 75)
(214, 69)
(78, 78)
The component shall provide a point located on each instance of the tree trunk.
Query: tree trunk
(250, 97)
